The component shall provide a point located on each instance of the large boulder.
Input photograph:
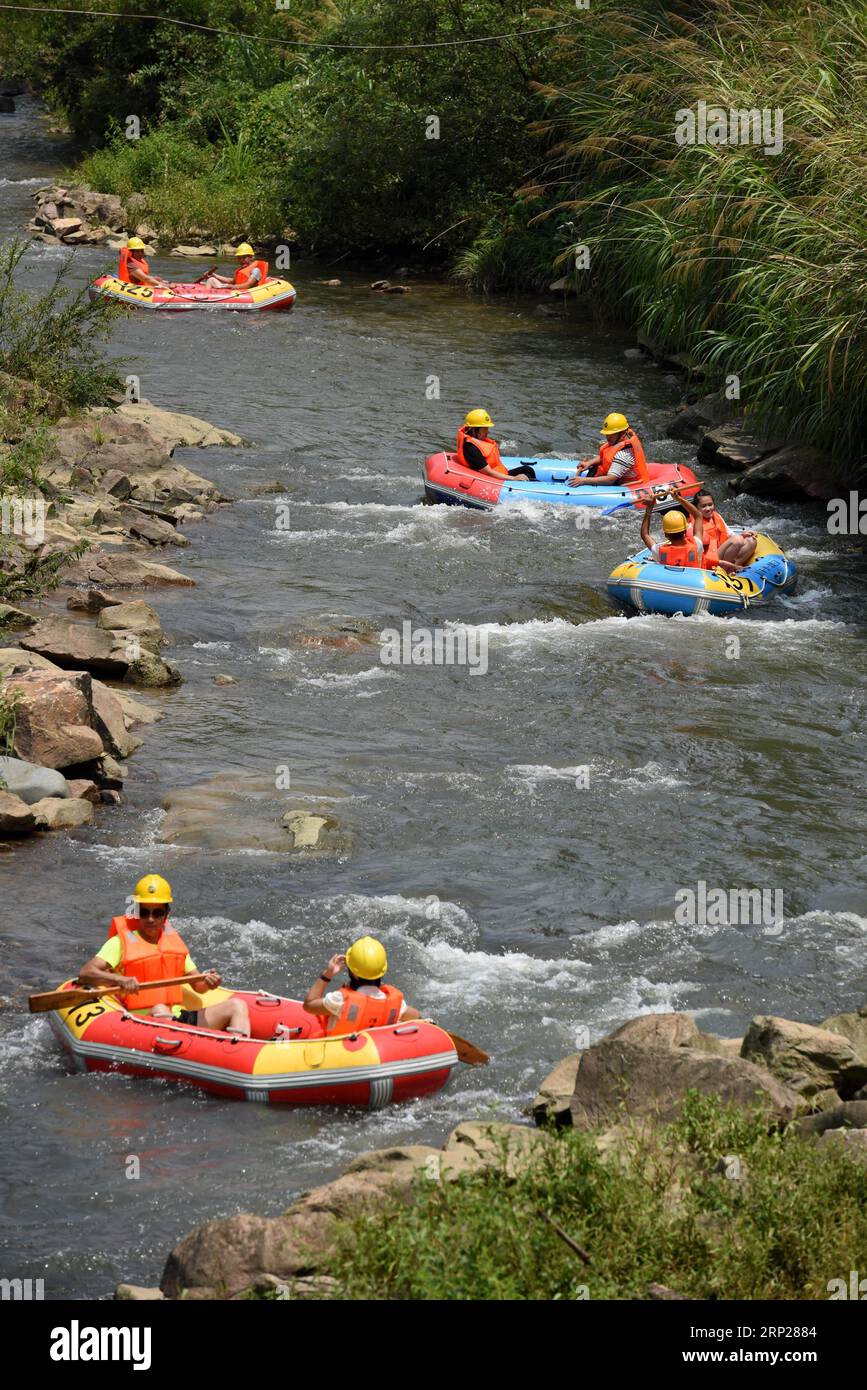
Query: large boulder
(137, 617)
(52, 814)
(174, 428)
(554, 1097)
(121, 571)
(809, 1060)
(16, 817)
(691, 423)
(31, 782)
(851, 1026)
(55, 719)
(79, 646)
(618, 1077)
(736, 447)
(789, 473)
(110, 722)
(110, 443)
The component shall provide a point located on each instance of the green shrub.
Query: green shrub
(664, 1211)
(51, 340)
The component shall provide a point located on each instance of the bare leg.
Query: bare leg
(737, 551)
(161, 1011)
(230, 1013)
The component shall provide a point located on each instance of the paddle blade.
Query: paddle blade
(468, 1052)
(64, 999)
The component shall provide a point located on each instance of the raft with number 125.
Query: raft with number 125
(275, 295)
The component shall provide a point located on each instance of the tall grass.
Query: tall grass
(185, 189)
(663, 1211)
(754, 263)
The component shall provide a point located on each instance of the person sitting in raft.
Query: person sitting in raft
(365, 1002)
(676, 549)
(250, 271)
(133, 268)
(146, 947)
(721, 548)
(620, 459)
(481, 453)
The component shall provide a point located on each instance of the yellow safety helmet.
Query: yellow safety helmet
(245, 249)
(673, 523)
(135, 243)
(366, 959)
(479, 420)
(152, 889)
(614, 423)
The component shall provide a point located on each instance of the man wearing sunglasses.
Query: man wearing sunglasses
(144, 948)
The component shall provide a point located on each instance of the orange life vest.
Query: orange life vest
(242, 274)
(123, 269)
(362, 1011)
(607, 451)
(683, 552)
(489, 447)
(164, 961)
(713, 532)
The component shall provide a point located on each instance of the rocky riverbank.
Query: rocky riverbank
(112, 498)
(765, 464)
(805, 1082)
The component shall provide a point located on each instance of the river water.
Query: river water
(522, 900)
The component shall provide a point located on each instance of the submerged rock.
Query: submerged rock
(246, 812)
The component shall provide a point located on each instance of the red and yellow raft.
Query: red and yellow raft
(276, 295)
(301, 1067)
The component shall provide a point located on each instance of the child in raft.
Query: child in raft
(721, 548)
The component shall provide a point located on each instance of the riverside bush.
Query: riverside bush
(661, 1211)
(51, 340)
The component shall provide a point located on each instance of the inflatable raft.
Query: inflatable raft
(299, 1067)
(446, 480)
(652, 588)
(276, 295)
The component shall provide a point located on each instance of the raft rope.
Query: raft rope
(289, 43)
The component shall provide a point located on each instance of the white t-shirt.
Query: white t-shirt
(333, 1001)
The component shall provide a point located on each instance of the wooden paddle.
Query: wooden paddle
(468, 1052)
(70, 998)
(206, 274)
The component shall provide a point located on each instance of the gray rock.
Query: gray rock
(851, 1114)
(616, 1077)
(691, 423)
(554, 1097)
(30, 781)
(736, 447)
(791, 472)
(809, 1060)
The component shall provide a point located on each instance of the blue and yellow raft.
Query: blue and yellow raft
(652, 588)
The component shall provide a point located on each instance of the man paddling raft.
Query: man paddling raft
(146, 948)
